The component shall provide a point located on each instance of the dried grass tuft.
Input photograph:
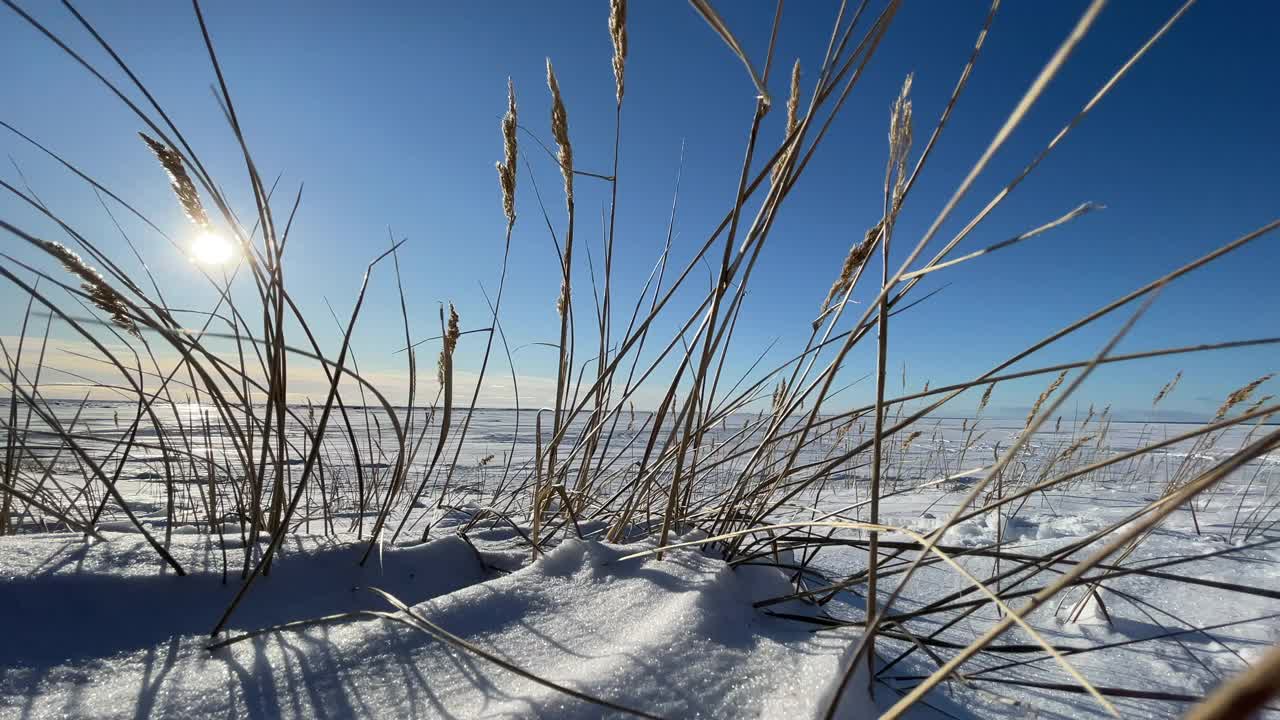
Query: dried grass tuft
(1168, 388)
(986, 398)
(691, 493)
(779, 398)
(1241, 395)
(560, 130)
(107, 298)
(1074, 447)
(1035, 409)
(900, 137)
(507, 168)
(793, 121)
(183, 187)
(450, 343)
(858, 255)
(618, 33)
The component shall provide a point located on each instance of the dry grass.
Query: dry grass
(709, 457)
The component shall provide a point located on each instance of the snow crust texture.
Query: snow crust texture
(103, 633)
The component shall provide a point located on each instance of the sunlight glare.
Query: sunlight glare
(211, 249)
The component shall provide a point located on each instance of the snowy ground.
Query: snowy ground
(92, 628)
(104, 632)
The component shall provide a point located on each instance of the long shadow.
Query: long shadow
(77, 610)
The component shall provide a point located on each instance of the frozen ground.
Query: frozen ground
(101, 631)
(101, 628)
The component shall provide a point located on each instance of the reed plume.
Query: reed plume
(1168, 388)
(793, 121)
(780, 397)
(618, 33)
(450, 342)
(857, 256)
(1035, 409)
(1260, 402)
(105, 297)
(900, 136)
(1074, 447)
(793, 101)
(911, 438)
(560, 130)
(1240, 395)
(986, 398)
(183, 187)
(507, 168)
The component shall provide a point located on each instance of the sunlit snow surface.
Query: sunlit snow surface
(93, 628)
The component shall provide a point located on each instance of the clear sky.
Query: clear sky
(389, 113)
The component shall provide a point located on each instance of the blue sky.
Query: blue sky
(389, 112)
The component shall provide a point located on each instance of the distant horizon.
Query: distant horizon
(1122, 415)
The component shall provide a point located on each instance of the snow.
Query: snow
(104, 629)
(104, 633)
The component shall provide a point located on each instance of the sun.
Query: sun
(211, 249)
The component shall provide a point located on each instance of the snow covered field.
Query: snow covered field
(103, 628)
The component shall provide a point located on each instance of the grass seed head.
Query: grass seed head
(911, 438)
(618, 33)
(560, 130)
(1240, 395)
(986, 398)
(1168, 388)
(1074, 447)
(793, 121)
(1035, 409)
(1260, 402)
(780, 397)
(450, 343)
(105, 297)
(857, 256)
(183, 187)
(900, 137)
(507, 168)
